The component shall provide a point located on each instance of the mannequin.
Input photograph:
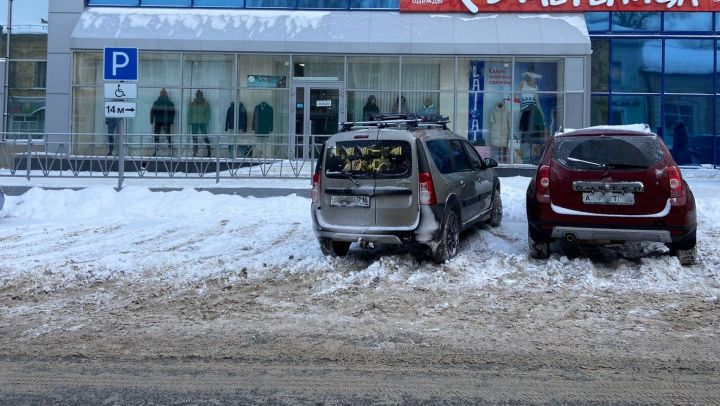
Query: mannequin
(198, 118)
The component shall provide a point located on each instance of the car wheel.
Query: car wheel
(687, 252)
(334, 248)
(449, 243)
(495, 209)
(537, 249)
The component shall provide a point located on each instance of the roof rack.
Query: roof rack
(397, 120)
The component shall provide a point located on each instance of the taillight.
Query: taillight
(676, 184)
(543, 184)
(427, 189)
(315, 193)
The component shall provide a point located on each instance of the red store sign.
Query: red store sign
(549, 6)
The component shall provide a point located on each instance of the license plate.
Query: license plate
(350, 201)
(609, 198)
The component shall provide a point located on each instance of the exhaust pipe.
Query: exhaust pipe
(569, 237)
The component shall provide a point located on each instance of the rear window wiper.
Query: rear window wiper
(582, 161)
(345, 174)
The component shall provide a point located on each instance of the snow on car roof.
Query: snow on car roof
(635, 128)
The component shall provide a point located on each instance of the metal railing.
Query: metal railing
(152, 156)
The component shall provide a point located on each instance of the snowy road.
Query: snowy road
(136, 275)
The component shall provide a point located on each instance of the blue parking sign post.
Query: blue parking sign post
(120, 64)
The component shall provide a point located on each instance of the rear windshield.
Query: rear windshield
(369, 159)
(607, 152)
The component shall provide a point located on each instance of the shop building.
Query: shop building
(274, 77)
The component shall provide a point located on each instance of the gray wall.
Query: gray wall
(63, 16)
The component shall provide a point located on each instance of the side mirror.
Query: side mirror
(491, 163)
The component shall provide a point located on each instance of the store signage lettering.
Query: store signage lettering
(545, 6)
(266, 81)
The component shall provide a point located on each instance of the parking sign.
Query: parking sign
(120, 63)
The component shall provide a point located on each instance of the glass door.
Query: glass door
(319, 108)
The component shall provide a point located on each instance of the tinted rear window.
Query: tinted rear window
(607, 152)
(441, 154)
(368, 159)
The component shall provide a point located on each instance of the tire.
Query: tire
(449, 243)
(334, 248)
(495, 209)
(537, 249)
(686, 252)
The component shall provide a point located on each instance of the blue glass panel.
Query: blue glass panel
(597, 21)
(323, 4)
(717, 21)
(636, 110)
(688, 65)
(168, 3)
(113, 2)
(688, 129)
(636, 65)
(271, 3)
(635, 21)
(220, 3)
(688, 21)
(717, 131)
(391, 4)
(600, 66)
(717, 66)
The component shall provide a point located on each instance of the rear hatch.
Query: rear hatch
(609, 174)
(364, 175)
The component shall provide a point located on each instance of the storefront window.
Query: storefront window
(367, 72)
(690, 21)
(319, 67)
(267, 121)
(209, 71)
(636, 65)
(88, 68)
(159, 69)
(88, 122)
(537, 117)
(635, 21)
(362, 105)
(688, 66)
(428, 73)
(158, 120)
(205, 120)
(546, 75)
(688, 129)
(477, 74)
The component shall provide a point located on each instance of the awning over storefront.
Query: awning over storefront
(342, 32)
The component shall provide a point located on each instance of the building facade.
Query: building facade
(275, 77)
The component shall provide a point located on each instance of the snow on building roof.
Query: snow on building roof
(331, 31)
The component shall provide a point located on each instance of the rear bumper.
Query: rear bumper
(611, 234)
(390, 239)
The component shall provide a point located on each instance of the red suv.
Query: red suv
(610, 185)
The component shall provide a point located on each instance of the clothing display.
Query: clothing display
(230, 117)
(112, 127)
(162, 116)
(198, 118)
(370, 108)
(262, 119)
(400, 107)
(430, 110)
(499, 125)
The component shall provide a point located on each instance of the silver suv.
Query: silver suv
(398, 182)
